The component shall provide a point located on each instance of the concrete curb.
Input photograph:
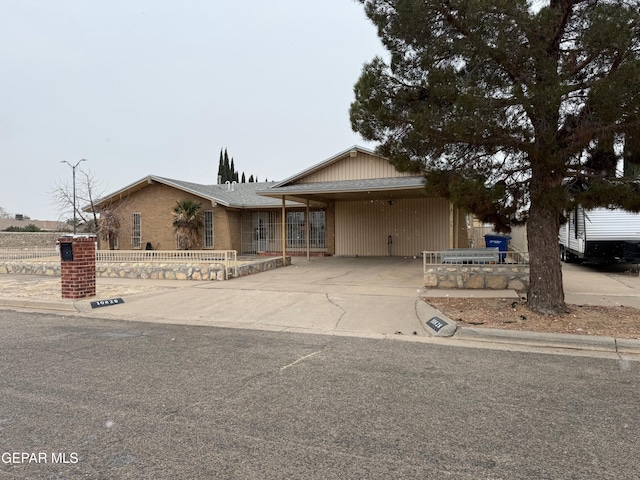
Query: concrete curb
(556, 340)
(469, 293)
(628, 345)
(551, 340)
(525, 337)
(425, 313)
(434, 322)
(28, 304)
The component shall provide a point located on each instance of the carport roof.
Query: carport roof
(374, 188)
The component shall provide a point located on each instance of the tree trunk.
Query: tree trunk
(546, 294)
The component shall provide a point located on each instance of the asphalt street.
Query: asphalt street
(114, 399)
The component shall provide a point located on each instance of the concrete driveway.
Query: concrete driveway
(364, 296)
(372, 275)
(373, 297)
(601, 285)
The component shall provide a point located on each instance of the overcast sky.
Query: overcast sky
(142, 87)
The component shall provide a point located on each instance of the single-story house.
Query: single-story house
(356, 203)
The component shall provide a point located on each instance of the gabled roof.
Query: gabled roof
(300, 189)
(325, 163)
(233, 195)
(236, 195)
(270, 194)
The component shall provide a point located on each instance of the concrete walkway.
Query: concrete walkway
(367, 297)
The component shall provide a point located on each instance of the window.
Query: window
(208, 229)
(318, 235)
(297, 230)
(136, 231)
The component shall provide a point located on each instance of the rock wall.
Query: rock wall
(144, 270)
(491, 277)
(262, 266)
(155, 271)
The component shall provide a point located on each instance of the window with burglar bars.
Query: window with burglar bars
(297, 230)
(208, 229)
(317, 229)
(262, 231)
(136, 231)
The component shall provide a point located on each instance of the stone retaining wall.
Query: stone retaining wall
(491, 277)
(262, 266)
(162, 271)
(30, 268)
(155, 271)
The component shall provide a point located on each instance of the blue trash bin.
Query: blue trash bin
(500, 241)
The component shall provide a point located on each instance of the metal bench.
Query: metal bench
(471, 255)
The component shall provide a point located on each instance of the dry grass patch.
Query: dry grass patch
(509, 314)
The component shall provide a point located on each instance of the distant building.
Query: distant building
(22, 221)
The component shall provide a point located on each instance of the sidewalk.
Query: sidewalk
(375, 298)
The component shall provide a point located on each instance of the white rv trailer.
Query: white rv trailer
(600, 235)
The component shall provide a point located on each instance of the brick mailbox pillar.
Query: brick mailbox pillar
(78, 266)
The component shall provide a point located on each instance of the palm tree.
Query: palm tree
(187, 223)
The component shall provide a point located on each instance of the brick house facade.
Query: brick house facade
(145, 213)
(354, 203)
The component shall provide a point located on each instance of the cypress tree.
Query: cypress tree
(220, 169)
(232, 172)
(227, 168)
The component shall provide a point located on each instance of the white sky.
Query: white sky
(142, 87)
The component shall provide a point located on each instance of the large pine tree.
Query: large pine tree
(515, 110)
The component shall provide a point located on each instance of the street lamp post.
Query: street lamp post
(73, 168)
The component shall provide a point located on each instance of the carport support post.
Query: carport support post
(307, 230)
(284, 232)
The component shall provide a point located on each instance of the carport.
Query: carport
(372, 209)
